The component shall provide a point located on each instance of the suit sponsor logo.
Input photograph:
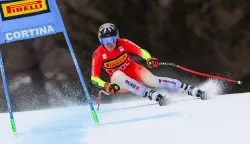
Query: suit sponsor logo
(121, 49)
(166, 81)
(104, 56)
(117, 62)
(132, 85)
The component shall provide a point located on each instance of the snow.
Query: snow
(224, 119)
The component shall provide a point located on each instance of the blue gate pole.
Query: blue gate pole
(6, 90)
(81, 77)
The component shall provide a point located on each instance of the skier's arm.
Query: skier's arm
(136, 50)
(144, 54)
(96, 70)
(111, 88)
(97, 81)
(133, 48)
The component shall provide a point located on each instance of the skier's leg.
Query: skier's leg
(172, 85)
(125, 82)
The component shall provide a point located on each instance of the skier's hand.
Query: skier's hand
(153, 62)
(111, 88)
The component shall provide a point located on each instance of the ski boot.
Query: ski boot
(193, 91)
(202, 94)
(162, 100)
(155, 96)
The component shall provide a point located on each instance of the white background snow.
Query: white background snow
(224, 119)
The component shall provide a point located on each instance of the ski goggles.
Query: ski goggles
(108, 40)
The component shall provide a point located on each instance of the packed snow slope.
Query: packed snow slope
(224, 119)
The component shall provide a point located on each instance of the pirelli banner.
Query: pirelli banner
(25, 19)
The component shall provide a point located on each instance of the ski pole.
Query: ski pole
(6, 90)
(99, 97)
(199, 73)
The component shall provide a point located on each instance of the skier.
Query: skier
(125, 74)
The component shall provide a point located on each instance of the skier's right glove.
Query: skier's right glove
(152, 62)
(111, 88)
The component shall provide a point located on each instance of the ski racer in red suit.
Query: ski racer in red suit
(127, 75)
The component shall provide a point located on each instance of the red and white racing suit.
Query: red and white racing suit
(119, 59)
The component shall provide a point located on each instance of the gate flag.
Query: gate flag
(27, 19)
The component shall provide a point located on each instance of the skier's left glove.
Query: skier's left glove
(153, 62)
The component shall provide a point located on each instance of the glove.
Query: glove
(153, 62)
(111, 88)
